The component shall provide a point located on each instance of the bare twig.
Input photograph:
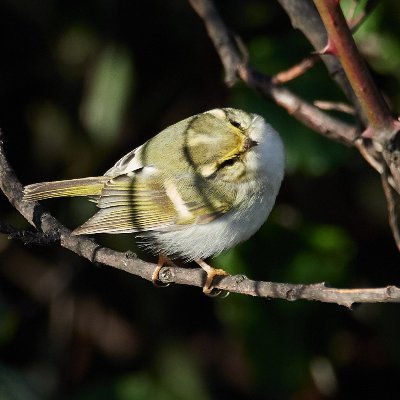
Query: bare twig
(392, 199)
(296, 70)
(94, 252)
(354, 21)
(370, 154)
(334, 106)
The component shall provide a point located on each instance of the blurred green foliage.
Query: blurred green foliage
(107, 95)
(85, 82)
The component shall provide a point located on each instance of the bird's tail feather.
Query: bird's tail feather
(69, 188)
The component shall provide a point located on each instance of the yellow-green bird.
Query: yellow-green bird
(199, 187)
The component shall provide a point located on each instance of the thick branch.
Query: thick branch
(341, 43)
(94, 252)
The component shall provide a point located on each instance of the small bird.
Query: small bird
(199, 187)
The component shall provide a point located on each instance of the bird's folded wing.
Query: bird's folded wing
(146, 201)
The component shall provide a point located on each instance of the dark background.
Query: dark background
(81, 84)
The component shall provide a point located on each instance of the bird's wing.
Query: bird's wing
(145, 200)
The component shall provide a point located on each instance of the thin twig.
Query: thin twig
(392, 199)
(296, 70)
(334, 106)
(355, 22)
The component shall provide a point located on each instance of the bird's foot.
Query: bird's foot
(211, 274)
(155, 277)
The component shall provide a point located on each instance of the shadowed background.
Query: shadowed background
(82, 83)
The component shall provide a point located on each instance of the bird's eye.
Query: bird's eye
(227, 163)
(235, 123)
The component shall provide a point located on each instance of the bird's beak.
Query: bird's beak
(249, 143)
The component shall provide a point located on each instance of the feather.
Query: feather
(147, 201)
(69, 188)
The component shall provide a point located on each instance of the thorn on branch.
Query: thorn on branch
(329, 49)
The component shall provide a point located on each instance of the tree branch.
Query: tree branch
(85, 247)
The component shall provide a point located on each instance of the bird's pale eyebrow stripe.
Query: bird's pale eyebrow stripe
(203, 138)
(176, 199)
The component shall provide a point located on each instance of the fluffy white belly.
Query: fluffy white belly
(205, 240)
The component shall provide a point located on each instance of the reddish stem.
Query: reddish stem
(341, 43)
